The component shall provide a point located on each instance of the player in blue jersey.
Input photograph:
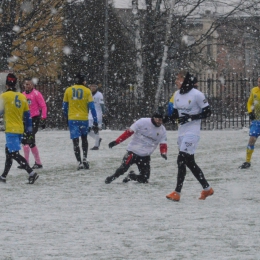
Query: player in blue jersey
(77, 102)
(16, 116)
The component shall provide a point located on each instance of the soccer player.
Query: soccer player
(100, 109)
(147, 134)
(15, 111)
(253, 108)
(190, 106)
(38, 110)
(77, 102)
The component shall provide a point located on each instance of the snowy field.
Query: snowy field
(70, 214)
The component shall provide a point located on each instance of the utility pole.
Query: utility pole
(105, 77)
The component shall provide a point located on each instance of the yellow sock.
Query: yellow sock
(249, 152)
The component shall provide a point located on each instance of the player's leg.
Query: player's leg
(12, 152)
(254, 132)
(143, 164)
(96, 137)
(126, 163)
(33, 146)
(26, 149)
(74, 127)
(83, 127)
(84, 139)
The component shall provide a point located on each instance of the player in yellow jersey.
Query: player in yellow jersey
(16, 115)
(253, 108)
(77, 102)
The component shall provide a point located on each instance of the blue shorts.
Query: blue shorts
(254, 128)
(78, 128)
(13, 142)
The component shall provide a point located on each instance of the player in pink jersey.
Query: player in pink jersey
(38, 110)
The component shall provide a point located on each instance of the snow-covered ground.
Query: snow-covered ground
(70, 214)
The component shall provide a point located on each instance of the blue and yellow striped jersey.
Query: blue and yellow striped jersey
(253, 103)
(15, 105)
(78, 97)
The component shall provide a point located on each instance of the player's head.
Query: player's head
(80, 79)
(187, 84)
(157, 118)
(93, 85)
(11, 81)
(28, 85)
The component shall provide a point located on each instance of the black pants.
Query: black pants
(142, 162)
(9, 161)
(185, 159)
(35, 127)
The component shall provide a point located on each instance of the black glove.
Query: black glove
(112, 144)
(166, 119)
(164, 156)
(95, 127)
(251, 116)
(184, 119)
(43, 123)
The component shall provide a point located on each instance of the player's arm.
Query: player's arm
(102, 108)
(250, 103)
(1, 106)
(42, 105)
(91, 107)
(27, 121)
(184, 118)
(127, 133)
(163, 146)
(65, 109)
(250, 106)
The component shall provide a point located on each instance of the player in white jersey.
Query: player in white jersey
(147, 134)
(100, 109)
(190, 106)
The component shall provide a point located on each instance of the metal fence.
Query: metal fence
(227, 96)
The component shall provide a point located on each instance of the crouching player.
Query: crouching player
(147, 134)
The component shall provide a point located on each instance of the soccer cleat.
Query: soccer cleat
(175, 196)
(94, 148)
(2, 179)
(126, 179)
(245, 165)
(109, 179)
(33, 178)
(86, 165)
(81, 166)
(205, 193)
(36, 166)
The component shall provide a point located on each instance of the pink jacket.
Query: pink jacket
(36, 103)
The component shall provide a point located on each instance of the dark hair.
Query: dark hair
(79, 78)
(11, 80)
(157, 114)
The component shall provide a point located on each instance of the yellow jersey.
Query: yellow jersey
(253, 103)
(14, 104)
(78, 97)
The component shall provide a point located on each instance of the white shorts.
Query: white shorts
(90, 122)
(188, 143)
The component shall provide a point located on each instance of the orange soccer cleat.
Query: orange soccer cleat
(175, 196)
(205, 193)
